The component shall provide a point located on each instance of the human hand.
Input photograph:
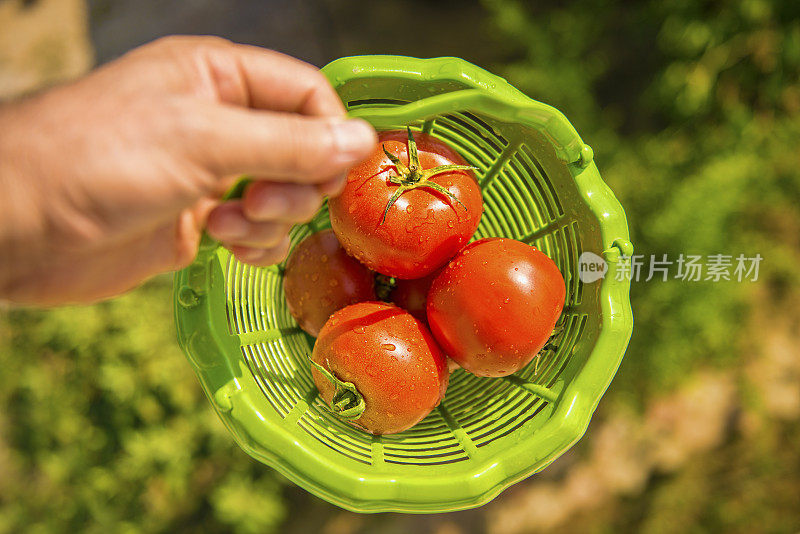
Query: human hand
(111, 179)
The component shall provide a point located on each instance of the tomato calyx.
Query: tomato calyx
(414, 176)
(347, 402)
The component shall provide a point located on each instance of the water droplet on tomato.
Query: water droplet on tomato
(388, 346)
(351, 209)
(409, 208)
(334, 282)
(450, 224)
(324, 258)
(373, 370)
(420, 239)
(359, 329)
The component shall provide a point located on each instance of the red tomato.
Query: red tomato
(407, 219)
(321, 278)
(389, 357)
(412, 294)
(495, 305)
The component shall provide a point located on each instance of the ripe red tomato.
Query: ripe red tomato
(389, 357)
(495, 305)
(412, 294)
(407, 217)
(321, 278)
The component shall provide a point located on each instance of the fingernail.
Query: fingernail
(354, 139)
(229, 226)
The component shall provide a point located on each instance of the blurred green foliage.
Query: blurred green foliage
(105, 429)
(693, 110)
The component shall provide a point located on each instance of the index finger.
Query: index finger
(264, 79)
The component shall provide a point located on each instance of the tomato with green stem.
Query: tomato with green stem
(378, 367)
(494, 307)
(409, 207)
(320, 278)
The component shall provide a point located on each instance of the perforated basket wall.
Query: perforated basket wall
(540, 186)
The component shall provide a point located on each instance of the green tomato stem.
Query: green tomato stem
(347, 403)
(414, 176)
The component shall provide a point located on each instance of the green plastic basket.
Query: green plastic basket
(540, 186)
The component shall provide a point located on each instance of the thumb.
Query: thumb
(277, 146)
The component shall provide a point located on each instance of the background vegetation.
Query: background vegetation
(693, 109)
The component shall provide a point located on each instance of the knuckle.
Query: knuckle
(189, 41)
(317, 81)
(252, 200)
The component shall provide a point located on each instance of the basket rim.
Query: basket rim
(231, 391)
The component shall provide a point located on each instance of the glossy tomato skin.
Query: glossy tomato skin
(424, 228)
(411, 295)
(320, 278)
(390, 357)
(494, 307)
